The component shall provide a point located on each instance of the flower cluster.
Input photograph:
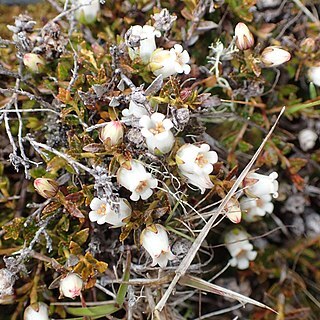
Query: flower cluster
(141, 43)
(241, 250)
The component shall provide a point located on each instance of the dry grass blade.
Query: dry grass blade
(183, 267)
(203, 285)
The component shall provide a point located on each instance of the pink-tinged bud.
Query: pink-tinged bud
(274, 56)
(33, 62)
(112, 133)
(47, 188)
(71, 286)
(245, 39)
(39, 312)
(308, 45)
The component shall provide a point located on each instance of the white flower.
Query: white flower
(137, 180)
(196, 163)
(146, 35)
(156, 130)
(34, 62)
(256, 207)
(88, 11)
(32, 314)
(314, 75)
(112, 133)
(257, 185)
(170, 62)
(307, 138)
(46, 187)
(135, 110)
(274, 56)
(240, 251)
(71, 286)
(245, 39)
(233, 211)
(102, 212)
(155, 240)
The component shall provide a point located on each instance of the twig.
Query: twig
(183, 267)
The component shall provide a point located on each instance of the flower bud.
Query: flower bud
(88, 11)
(34, 62)
(71, 286)
(308, 45)
(33, 313)
(112, 133)
(245, 39)
(314, 75)
(47, 188)
(155, 240)
(274, 56)
(307, 139)
(233, 211)
(6, 282)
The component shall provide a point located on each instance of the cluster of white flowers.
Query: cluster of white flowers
(142, 44)
(260, 190)
(241, 250)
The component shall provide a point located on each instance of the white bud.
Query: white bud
(314, 75)
(245, 39)
(34, 62)
(112, 133)
(155, 240)
(233, 211)
(71, 286)
(46, 187)
(274, 56)
(88, 11)
(31, 313)
(307, 139)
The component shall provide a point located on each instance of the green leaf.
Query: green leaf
(81, 237)
(94, 311)
(124, 286)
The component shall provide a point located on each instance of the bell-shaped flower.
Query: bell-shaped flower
(170, 62)
(233, 211)
(112, 133)
(157, 131)
(256, 207)
(307, 139)
(196, 163)
(135, 110)
(137, 180)
(71, 286)
(155, 240)
(244, 37)
(102, 212)
(257, 185)
(274, 56)
(314, 75)
(241, 250)
(88, 11)
(46, 187)
(141, 42)
(39, 312)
